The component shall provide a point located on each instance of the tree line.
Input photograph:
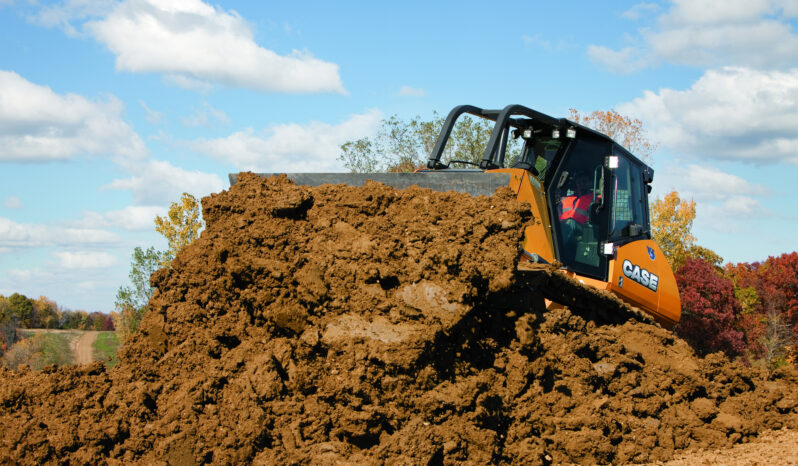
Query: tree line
(20, 311)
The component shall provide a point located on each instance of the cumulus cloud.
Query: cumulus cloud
(313, 147)
(64, 14)
(730, 114)
(710, 33)
(159, 182)
(195, 45)
(724, 201)
(131, 218)
(84, 259)
(707, 184)
(26, 235)
(640, 10)
(38, 125)
(12, 202)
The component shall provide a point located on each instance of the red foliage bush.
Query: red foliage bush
(709, 309)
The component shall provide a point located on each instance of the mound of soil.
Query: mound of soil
(374, 325)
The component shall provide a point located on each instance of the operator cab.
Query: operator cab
(596, 191)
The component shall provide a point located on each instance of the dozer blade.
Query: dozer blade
(554, 285)
(475, 183)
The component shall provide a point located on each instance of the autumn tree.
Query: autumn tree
(405, 145)
(625, 131)
(181, 226)
(671, 227)
(768, 294)
(709, 309)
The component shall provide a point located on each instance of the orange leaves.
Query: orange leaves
(625, 131)
(671, 225)
(181, 226)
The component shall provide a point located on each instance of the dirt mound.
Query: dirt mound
(370, 325)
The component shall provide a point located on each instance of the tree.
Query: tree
(47, 312)
(626, 131)
(709, 309)
(777, 338)
(181, 226)
(671, 226)
(22, 307)
(131, 302)
(403, 146)
(768, 292)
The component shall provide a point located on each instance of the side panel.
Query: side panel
(641, 275)
(537, 235)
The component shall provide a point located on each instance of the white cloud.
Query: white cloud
(206, 116)
(626, 60)
(152, 116)
(407, 91)
(64, 14)
(135, 218)
(194, 43)
(711, 184)
(709, 33)
(22, 235)
(731, 114)
(640, 10)
(724, 201)
(12, 202)
(131, 218)
(38, 125)
(159, 183)
(290, 147)
(84, 259)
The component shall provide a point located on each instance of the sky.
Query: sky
(109, 110)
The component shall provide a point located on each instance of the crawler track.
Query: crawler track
(590, 302)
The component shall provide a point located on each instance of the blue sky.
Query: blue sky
(109, 110)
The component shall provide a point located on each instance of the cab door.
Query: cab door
(639, 272)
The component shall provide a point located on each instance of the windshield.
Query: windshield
(544, 151)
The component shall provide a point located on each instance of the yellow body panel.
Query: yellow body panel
(631, 278)
(537, 236)
(630, 271)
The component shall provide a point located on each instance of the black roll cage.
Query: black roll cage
(493, 157)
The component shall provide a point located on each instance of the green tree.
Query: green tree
(181, 226)
(131, 301)
(404, 145)
(671, 227)
(22, 308)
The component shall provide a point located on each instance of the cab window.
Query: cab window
(575, 196)
(627, 219)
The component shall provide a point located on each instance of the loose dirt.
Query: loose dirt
(370, 326)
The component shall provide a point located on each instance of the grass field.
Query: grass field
(105, 348)
(42, 349)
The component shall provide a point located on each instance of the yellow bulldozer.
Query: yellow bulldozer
(589, 197)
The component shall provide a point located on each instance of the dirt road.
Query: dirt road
(80, 342)
(83, 347)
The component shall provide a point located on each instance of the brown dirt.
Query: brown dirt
(370, 325)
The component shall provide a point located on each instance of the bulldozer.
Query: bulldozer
(590, 244)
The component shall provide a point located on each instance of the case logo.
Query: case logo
(650, 252)
(640, 275)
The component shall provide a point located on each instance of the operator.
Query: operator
(575, 208)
